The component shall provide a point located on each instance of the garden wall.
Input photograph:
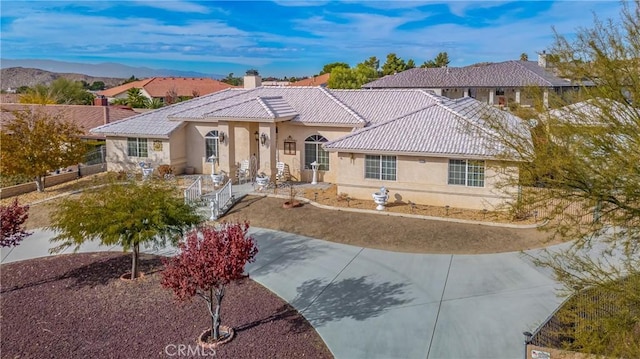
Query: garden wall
(51, 180)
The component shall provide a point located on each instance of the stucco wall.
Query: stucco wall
(420, 180)
(296, 161)
(158, 151)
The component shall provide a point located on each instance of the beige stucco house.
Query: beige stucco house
(411, 141)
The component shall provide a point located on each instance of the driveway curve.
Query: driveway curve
(369, 303)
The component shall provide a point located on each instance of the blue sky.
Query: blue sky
(285, 38)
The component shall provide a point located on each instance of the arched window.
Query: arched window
(313, 151)
(211, 144)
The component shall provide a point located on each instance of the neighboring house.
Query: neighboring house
(320, 80)
(413, 142)
(275, 83)
(498, 84)
(85, 117)
(165, 87)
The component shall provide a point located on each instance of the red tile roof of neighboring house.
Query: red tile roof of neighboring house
(86, 117)
(313, 81)
(160, 86)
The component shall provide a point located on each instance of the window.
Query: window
(290, 146)
(211, 144)
(137, 147)
(499, 92)
(313, 151)
(380, 167)
(466, 173)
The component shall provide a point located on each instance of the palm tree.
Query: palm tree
(154, 103)
(136, 99)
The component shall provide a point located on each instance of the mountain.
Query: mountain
(15, 77)
(107, 69)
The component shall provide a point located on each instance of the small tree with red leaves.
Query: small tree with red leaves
(208, 259)
(12, 218)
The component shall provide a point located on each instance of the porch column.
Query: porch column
(226, 148)
(545, 98)
(465, 93)
(491, 93)
(268, 149)
(517, 96)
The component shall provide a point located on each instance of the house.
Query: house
(410, 141)
(320, 80)
(85, 117)
(498, 84)
(164, 88)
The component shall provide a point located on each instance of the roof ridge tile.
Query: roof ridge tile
(266, 106)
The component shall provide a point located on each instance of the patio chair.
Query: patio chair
(242, 173)
(281, 174)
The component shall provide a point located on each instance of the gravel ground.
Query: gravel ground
(74, 306)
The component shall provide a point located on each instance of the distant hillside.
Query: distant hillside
(15, 77)
(107, 69)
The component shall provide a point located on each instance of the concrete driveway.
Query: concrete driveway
(368, 303)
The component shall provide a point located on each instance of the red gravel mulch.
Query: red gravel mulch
(74, 306)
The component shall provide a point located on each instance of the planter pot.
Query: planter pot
(226, 334)
(291, 204)
(126, 277)
(189, 170)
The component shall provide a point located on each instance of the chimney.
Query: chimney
(252, 79)
(542, 59)
(100, 101)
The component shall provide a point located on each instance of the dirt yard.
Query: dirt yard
(367, 230)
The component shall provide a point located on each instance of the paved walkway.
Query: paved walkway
(368, 303)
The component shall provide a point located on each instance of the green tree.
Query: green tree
(393, 65)
(524, 57)
(131, 214)
(97, 86)
(231, 80)
(130, 79)
(70, 92)
(34, 143)
(410, 64)
(154, 103)
(39, 95)
(136, 99)
(329, 67)
(343, 78)
(585, 163)
(374, 63)
(441, 60)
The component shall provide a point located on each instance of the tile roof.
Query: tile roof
(85, 117)
(312, 105)
(394, 120)
(160, 86)
(320, 80)
(596, 111)
(257, 107)
(501, 74)
(444, 128)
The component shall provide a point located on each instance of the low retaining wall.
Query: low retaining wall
(52, 180)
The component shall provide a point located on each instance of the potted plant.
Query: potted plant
(262, 180)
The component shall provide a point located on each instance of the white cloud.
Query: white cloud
(176, 6)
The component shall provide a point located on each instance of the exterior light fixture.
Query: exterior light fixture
(256, 135)
(221, 136)
(263, 138)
